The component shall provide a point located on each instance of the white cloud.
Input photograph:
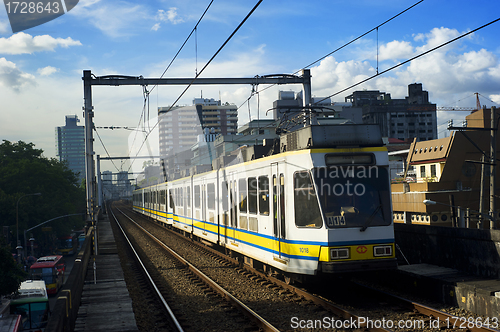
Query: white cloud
(12, 77)
(156, 27)
(495, 98)
(114, 19)
(169, 16)
(331, 76)
(46, 71)
(436, 37)
(22, 43)
(395, 50)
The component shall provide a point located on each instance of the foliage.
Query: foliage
(11, 274)
(24, 170)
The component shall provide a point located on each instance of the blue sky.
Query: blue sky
(41, 68)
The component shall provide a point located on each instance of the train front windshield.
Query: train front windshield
(353, 196)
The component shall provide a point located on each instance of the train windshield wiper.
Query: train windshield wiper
(370, 218)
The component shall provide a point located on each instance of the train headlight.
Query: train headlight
(379, 251)
(339, 253)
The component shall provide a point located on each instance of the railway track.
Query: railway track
(160, 315)
(197, 279)
(411, 314)
(298, 303)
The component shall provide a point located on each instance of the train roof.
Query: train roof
(311, 137)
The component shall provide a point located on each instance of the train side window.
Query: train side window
(307, 212)
(211, 196)
(224, 196)
(171, 198)
(282, 205)
(264, 195)
(162, 197)
(197, 196)
(242, 191)
(188, 196)
(181, 197)
(252, 195)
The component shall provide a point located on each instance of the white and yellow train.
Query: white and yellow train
(321, 205)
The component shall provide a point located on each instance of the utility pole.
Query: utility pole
(492, 166)
(482, 192)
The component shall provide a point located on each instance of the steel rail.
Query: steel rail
(450, 320)
(258, 320)
(158, 293)
(337, 310)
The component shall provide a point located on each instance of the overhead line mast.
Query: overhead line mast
(116, 80)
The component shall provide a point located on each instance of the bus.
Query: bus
(32, 304)
(67, 245)
(50, 269)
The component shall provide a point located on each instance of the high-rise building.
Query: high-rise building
(70, 145)
(403, 119)
(179, 127)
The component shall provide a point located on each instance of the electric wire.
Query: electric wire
(311, 64)
(201, 71)
(352, 41)
(380, 73)
(183, 44)
(410, 59)
(107, 153)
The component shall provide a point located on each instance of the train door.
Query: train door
(204, 206)
(225, 218)
(190, 202)
(278, 192)
(233, 205)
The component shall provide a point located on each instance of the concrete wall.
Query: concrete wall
(472, 251)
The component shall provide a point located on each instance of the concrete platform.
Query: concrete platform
(105, 303)
(450, 286)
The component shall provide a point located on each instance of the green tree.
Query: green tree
(11, 274)
(24, 170)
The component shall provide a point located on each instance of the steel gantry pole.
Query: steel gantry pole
(88, 113)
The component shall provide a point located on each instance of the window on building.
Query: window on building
(433, 170)
(422, 171)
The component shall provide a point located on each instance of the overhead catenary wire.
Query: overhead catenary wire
(183, 44)
(106, 150)
(353, 40)
(147, 93)
(309, 65)
(409, 60)
(201, 71)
